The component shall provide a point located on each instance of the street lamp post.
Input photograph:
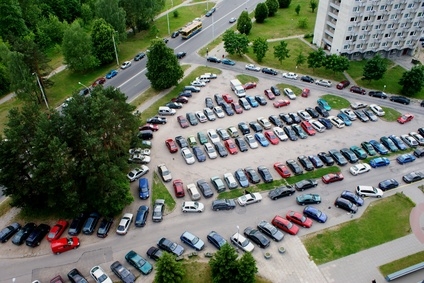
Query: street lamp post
(114, 47)
(80, 83)
(42, 90)
(238, 233)
(384, 89)
(167, 16)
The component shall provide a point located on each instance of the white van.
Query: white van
(193, 192)
(165, 110)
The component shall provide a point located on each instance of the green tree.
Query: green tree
(313, 5)
(114, 15)
(49, 32)
(79, 155)
(235, 43)
(140, 13)
(244, 23)
(163, 68)
(316, 59)
(297, 9)
(260, 47)
(303, 23)
(300, 59)
(168, 270)
(272, 7)
(336, 63)
(284, 3)
(77, 49)
(261, 12)
(375, 68)
(412, 81)
(224, 265)
(86, 13)
(11, 21)
(101, 36)
(281, 51)
(65, 10)
(4, 79)
(247, 269)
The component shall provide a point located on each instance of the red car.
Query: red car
(282, 169)
(183, 121)
(281, 103)
(299, 219)
(231, 146)
(343, 84)
(249, 85)
(227, 98)
(64, 244)
(271, 137)
(285, 225)
(332, 177)
(99, 81)
(57, 230)
(405, 118)
(306, 92)
(171, 145)
(178, 188)
(357, 89)
(180, 99)
(269, 94)
(307, 127)
(151, 127)
(237, 108)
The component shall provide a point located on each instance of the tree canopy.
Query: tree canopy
(168, 270)
(101, 36)
(272, 7)
(336, 63)
(316, 59)
(375, 68)
(235, 43)
(260, 47)
(244, 23)
(412, 81)
(281, 51)
(261, 12)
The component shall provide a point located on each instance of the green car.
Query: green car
(139, 262)
(358, 151)
(202, 138)
(191, 140)
(368, 148)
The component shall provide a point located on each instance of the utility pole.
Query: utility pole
(42, 90)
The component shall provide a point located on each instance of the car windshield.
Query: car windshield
(289, 225)
(245, 243)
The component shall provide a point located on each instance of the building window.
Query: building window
(377, 27)
(349, 28)
(420, 14)
(399, 34)
(361, 36)
(387, 35)
(382, 7)
(345, 47)
(384, 44)
(366, 18)
(372, 44)
(390, 26)
(369, 8)
(393, 16)
(352, 19)
(396, 43)
(416, 24)
(396, 6)
(412, 33)
(355, 9)
(402, 25)
(410, 5)
(406, 16)
(374, 35)
(408, 42)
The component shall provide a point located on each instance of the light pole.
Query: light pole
(213, 28)
(42, 90)
(114, 47)
(238, 233)
(83, 85)
(384, 89)
(167, 16)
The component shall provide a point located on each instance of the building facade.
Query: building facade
(362, 28)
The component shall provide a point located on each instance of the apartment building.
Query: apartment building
(361, 28)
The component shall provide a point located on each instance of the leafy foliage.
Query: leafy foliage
(244, 23)
(235, 43)
(375, 68)
(261, 13)
(260, 47)
(101, 36)
(297, 9)
(71, 162)
(412, 81)
(316, 59)
(247, 269)
(65, 10)
(284, 3)
(50, 32)
(168, 270)
(336, 63)
(272, 7)
(113, 14)
(163, 68)
(11, 21)
(313, 5)
(303, 23)
(281, 52)
(140, 13)
(300, 59)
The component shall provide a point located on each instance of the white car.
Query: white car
(358, 105)
(418, 137)
(209, 114)
(325, 83)
(164, 173)
(230, 181)
(252, 67)
(292, 76)
(410, 141)
(304, 115)
(126, 64)
(188, 155)
(139, 158)
(290, 94)
(201, 117)
(369, 191)
(203, 79)
(251, 141)
(264, 122)
(359, 169)
(210, 75)
(336, 121)
(241, 242)
(136, 173)
(218, 112)
(280, 133)
(318, 126)
(249, 199)
(124, 224)
(144, 151)
(192, 206)
(210, 151)
(349, 113)
(377, 110)
(213, 136)
(99, 275)
(198, 83)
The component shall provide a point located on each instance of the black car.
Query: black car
(307, 79)
(257, 237)
(185, 93)
(294, 167)
(252, 175)
(321, 111)
(286, 118)
(378, 94)
(90, 223)
(299, 131)
(192, 118)
(413, 177)
(261, 100)
(7, 232)
(104, 227)
(400, 99)
(361, 115)
(216, 240)
(76, 277)
(421, 131)
(290, 133)
(316, 161)
(141, 216)
(175, 34)
(213, 59)
(76, 224)
(200, 155)
(349, 155)
(255, 126)
(220, 148)
(305, 184)
(209, 102)
(281, 192)
(174, 105)
(276, 121)
(296, 119)
(388, 184)
(275, 90)
(269, 71)
(326, 122)
(244, 128)
(156, 120)
(218, 99)
(205, 188)
(181, 141)
(23, 233)
(227, 109)
(338, 157)
(326, 158)
(265, 174)
(139, 56)
(122, 272)
(346, 205)
(170, 247)
(270, 230)
(305, 162)
(352, 197)
(223, 204)
(312, 112)
(181, 55)
(37, 235)
(357, 89)
(419, 152)
(154, 253)
(240, 142)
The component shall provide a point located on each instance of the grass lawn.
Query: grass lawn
(159, 191)
(336, 102)
(401, 263)
(383, 221)
(246, 78)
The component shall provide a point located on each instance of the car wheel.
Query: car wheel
(378, 196)
(59, 253)
(337, 206)
(362, 195)
(199, 211)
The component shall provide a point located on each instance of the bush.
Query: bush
(175, 13)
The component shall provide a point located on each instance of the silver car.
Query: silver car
(210, 151)
(230, 181)
(251, 141)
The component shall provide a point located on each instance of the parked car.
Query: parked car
(378, 94)
(332, 177)
(192, 206)
(204, 188)
(216, 240)
(308, 199)
(282, 191)
(413, 177)
(359, 168)
(307, 79)
(62, 245)
(388, 184)
(352, 197)
(368, 191)
(170, 247)
(305, 184)
(377, 110)
(7, 232)
(249, 199)
(122, 272)
(158, 209)
(76, 224)
(315, 214)
(346, 205)
(285, 225)
(357, 89)
(57, 230)
(257, 237)
(124, 224)
(138, 262)
(294, 166)
(241, 242)
(325, 83)
(98, 274)
(269, 71)
(299, 219)
(76, 277)
(343, 84)
(400, 99)
(34, 239)
(405, 158)
(405, 118)
(223, 204)
(20, 236)
(270, 230)
(192, 240)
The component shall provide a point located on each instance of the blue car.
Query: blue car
(261, 139)
(398, 142)
(405, 158)
(324, 104)
(315, 214)
(353, 197)
(388, 184)
(379, 162)
(226, 61)
(344, 118)
(111, 74)
(143, 188)
(379, 147)
(241, 178)
(326, 122)
(252, 101)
